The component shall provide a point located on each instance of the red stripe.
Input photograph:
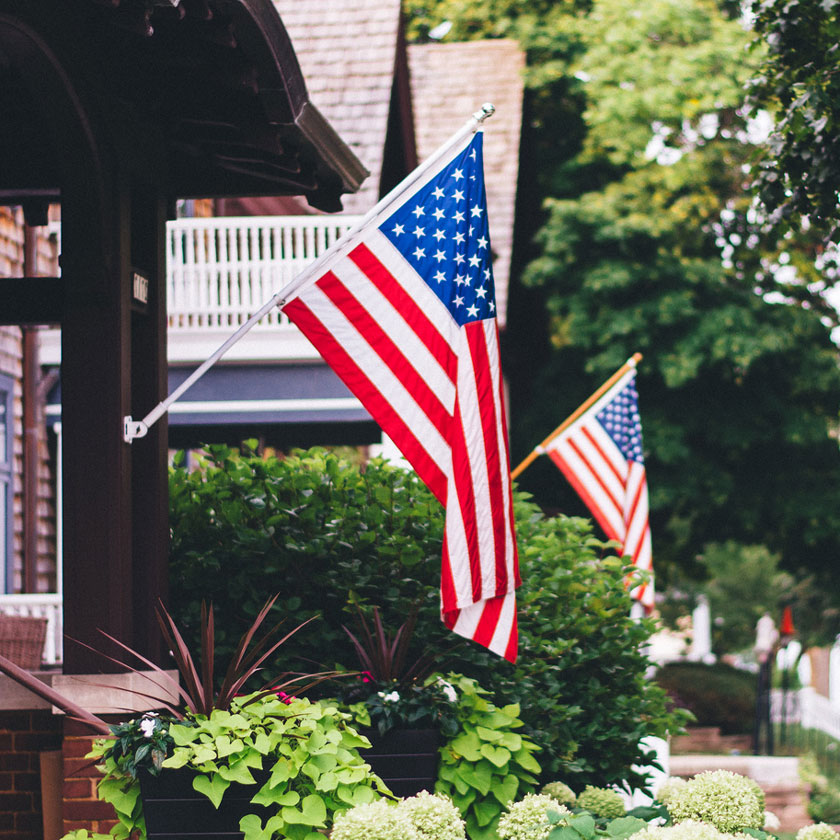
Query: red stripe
(513, 639)
(627, 522)
(593, 472)
(486, 626)
(485, 389)
(388, 351)
(380, 409)
(464, 492)
(622, 479)
(420, 322)
(580, 489)
(448, 597)
(510, 515)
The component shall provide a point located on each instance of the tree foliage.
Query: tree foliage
(329, 535)
(661, 253)
(799, 83)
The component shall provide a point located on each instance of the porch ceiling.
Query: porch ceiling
(220, 78)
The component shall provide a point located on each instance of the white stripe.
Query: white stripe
(393, 323)
(507, 617)
(381, 377)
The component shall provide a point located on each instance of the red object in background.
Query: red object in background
(787, 628)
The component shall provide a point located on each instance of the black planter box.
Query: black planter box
(405, 759)
(174, 810)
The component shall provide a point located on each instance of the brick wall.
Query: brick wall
(81, 808)
(24, 735)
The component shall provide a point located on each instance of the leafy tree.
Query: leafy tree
(799, 84)
(739, 382)
(328, 534)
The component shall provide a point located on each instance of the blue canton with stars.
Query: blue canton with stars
(620, 418)
(442, 232)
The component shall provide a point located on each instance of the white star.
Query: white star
(459, 258)
(419, 253)
(460, 279)
(418, 231)
(472, 155)
(474, 260)
(439, 256)
(440, 276)
(486, 273)
(458, 174)
(439, 234)
(472, 311)
(398, 230)
(482, 242)
(459, 238)
(459, 216)
(492, 306)
(418, 211)
(477, 211)
(458, 300)
(439, 214)
(481, 292)
(458, 195)
(438, 193)
(471, 230)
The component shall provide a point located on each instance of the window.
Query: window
(6, 438)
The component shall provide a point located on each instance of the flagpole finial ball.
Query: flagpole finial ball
(487, 110)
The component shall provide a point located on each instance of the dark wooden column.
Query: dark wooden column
(95, 385)
(148, 388)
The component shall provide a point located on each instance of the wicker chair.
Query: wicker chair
(22, 640)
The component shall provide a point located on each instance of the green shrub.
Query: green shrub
(717, 695)
(330, 533)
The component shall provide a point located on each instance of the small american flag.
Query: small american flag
(404, 313)
(600, 454)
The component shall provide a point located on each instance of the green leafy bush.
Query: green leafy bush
(334, 535)
(602, 802)
(488, 764)
(717, 695)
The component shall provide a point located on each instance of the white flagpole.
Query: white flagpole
(138, 428)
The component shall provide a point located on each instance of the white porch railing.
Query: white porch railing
(219, 271)
(40, 606)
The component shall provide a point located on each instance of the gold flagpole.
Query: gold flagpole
(538, 450)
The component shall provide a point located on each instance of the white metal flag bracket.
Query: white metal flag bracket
(133, 429)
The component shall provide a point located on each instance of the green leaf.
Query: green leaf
(584, 824)
(486, 810)
(563, 832)
(213, 788)
(498, 756)
(468, 745)
(624, 826)
(505, 790)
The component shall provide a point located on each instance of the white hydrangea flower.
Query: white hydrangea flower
(378, 820)
(818, 831)
(528, 818)
(390, 697)
(434, 816)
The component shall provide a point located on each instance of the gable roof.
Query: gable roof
(449, 82)
(347, 50)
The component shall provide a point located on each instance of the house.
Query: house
(114, 111)
(123, 257)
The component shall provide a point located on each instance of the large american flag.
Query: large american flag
(405, 314)
(600, 454)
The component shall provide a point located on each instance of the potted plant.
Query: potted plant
(404, 709)
(258, 765)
